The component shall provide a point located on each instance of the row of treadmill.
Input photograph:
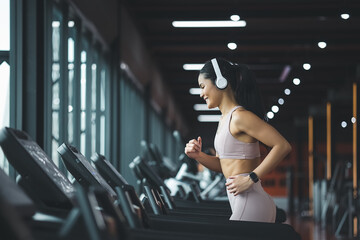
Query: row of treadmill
(100, 204)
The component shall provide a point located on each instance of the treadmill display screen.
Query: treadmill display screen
(94, 173)
(48, 166)
(115, 171)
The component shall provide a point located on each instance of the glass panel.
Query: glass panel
(83, 102)
(82, 143)
(93, 132)
(102, 135)
(71, 126)
(83, 80)
(71, 50)
(54, 153)
(55, 97)
(93, 87)
(83, 121)
(55, 72)
(55, 134)
(4, 106)
(55, 125)
(55, 122)
(56, 40)
(102, 90)
(55, 89)
(71, 90)
(5, 25)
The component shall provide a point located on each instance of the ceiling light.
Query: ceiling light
(345, 16)
(195, 91)
(232, 46)
(235, 18)
(275, 109)
(353, 120)
(281, 101)
(343, 124)
(306, 66)
(193, 66)
(209, 118)
(322, 45)
(296, 81)
(287, 91)
(55, 24)
(207, 24)
(204, 107)
(270, 115)
(71, 24)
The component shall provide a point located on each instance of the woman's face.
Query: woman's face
(209, 92)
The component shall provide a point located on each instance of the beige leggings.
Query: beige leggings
(253, 204)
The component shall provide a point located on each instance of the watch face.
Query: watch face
(254, 177)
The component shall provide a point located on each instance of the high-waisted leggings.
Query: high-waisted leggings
(253, 204)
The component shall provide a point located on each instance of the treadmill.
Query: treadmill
(53, 192)
(206, 223)
(84, 172)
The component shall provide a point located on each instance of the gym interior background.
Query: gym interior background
(104, 75)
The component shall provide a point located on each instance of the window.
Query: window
(71, 86)
(4, 105)
(4, 73)
(5, 25)
(83, 101)
(55, 85)
(79, 78)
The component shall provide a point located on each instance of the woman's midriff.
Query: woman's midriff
(232, 167)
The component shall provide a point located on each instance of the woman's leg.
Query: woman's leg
(253, 205)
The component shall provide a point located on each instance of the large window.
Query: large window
(4, 72)
(79, 78)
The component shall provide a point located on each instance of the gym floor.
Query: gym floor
(311, 230)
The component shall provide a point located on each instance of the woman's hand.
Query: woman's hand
(193, 148)
(238, 184)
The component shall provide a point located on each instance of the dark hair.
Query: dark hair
(242, 81)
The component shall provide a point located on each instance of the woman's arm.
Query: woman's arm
(193, 150)
(246, 121)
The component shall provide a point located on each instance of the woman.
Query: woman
(232, 88)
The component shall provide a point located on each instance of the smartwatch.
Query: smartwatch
(254, 177)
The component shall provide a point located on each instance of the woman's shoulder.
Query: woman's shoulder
(242, 113)
(241, 116)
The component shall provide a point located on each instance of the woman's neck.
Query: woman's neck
(226, 105)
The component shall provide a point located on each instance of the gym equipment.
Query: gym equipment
(41, 179)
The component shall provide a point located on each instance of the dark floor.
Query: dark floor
(310, 230)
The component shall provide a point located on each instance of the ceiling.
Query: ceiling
(279, 36)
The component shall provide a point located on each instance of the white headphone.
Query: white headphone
(220, 81)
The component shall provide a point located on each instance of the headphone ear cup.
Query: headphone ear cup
(221, 83)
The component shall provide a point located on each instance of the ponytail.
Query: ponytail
(246, 91)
